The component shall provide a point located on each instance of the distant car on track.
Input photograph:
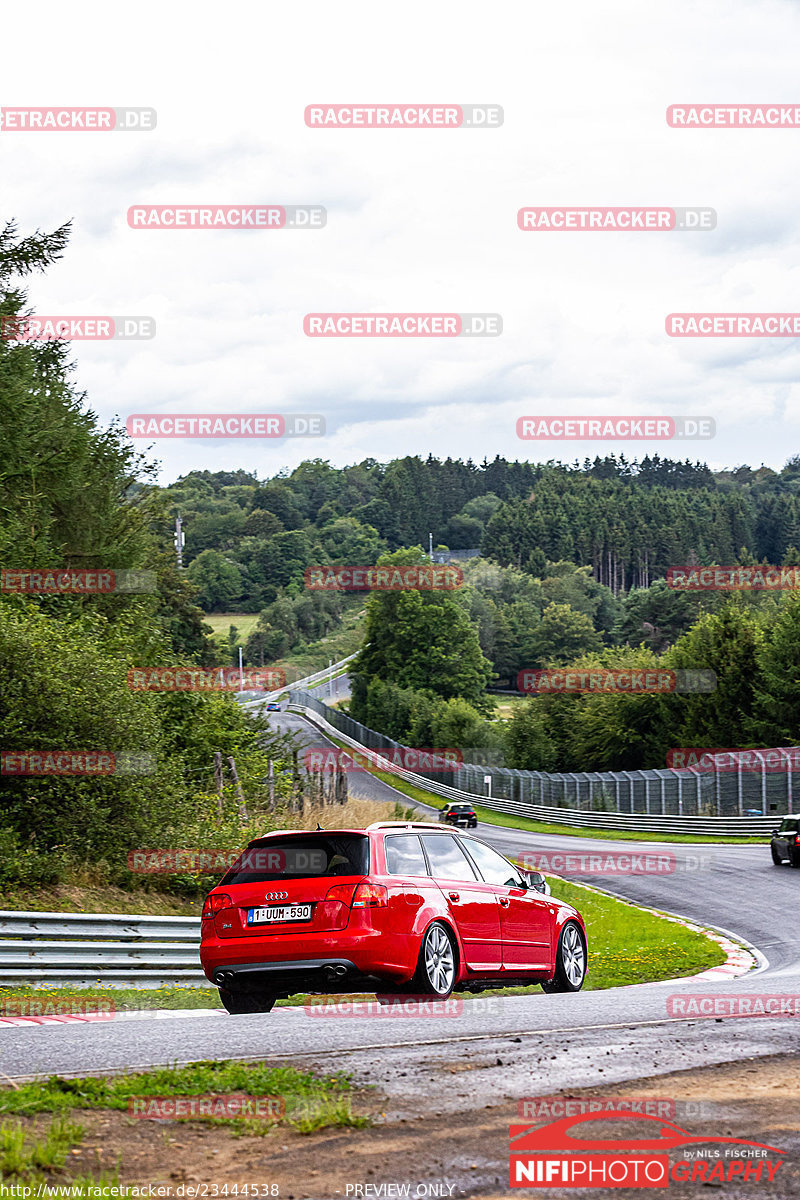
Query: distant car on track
(785, 842)
(459, 814)
(273, 706)
(397, 907)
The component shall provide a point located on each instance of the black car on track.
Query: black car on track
(459, 814)
(785, 842)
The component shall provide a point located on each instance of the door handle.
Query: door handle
(454, 896)
(504, 902)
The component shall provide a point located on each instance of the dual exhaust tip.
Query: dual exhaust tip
(331, 973)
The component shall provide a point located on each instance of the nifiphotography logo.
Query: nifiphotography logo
(552, 1156)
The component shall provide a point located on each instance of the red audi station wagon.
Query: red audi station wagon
(396, 907)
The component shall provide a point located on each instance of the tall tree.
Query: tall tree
(422, 640)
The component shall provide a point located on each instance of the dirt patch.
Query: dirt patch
(436, 1153)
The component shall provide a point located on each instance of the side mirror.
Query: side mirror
(774, 833)
(536, 882)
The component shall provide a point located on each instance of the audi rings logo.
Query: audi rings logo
(277, 896)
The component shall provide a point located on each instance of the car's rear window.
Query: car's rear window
(404, 855)
(301, 856)
(789, 826)
(447, 859)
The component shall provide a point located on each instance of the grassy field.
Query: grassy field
(505, 705)
(221, 623)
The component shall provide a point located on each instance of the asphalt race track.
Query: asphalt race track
(561, 1038)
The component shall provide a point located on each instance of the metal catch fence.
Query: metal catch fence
(758, 792)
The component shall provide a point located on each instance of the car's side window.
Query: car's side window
(492, 866)
(789, 826)
(404, 855)
(447, 859)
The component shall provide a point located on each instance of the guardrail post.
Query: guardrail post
(716, 787)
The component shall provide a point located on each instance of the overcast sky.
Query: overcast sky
(421, 221)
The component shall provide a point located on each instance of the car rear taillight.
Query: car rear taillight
(214, 903)
(343, 892)
(370, 895)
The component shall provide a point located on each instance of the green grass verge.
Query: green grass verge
(309, 1101)
(628, 944)
(24, 1155)
(34, 1153)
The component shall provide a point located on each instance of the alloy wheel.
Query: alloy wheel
(440, 966)
(573, 956)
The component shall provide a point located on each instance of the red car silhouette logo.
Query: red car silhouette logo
(556, 1136)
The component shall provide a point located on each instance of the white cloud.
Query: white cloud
(417, 221)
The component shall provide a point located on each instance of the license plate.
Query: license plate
(278, 913)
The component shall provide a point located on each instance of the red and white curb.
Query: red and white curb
(90, 1018)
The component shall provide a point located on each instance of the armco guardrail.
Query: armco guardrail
(722, 826)
(60, 949)
(333, 669)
